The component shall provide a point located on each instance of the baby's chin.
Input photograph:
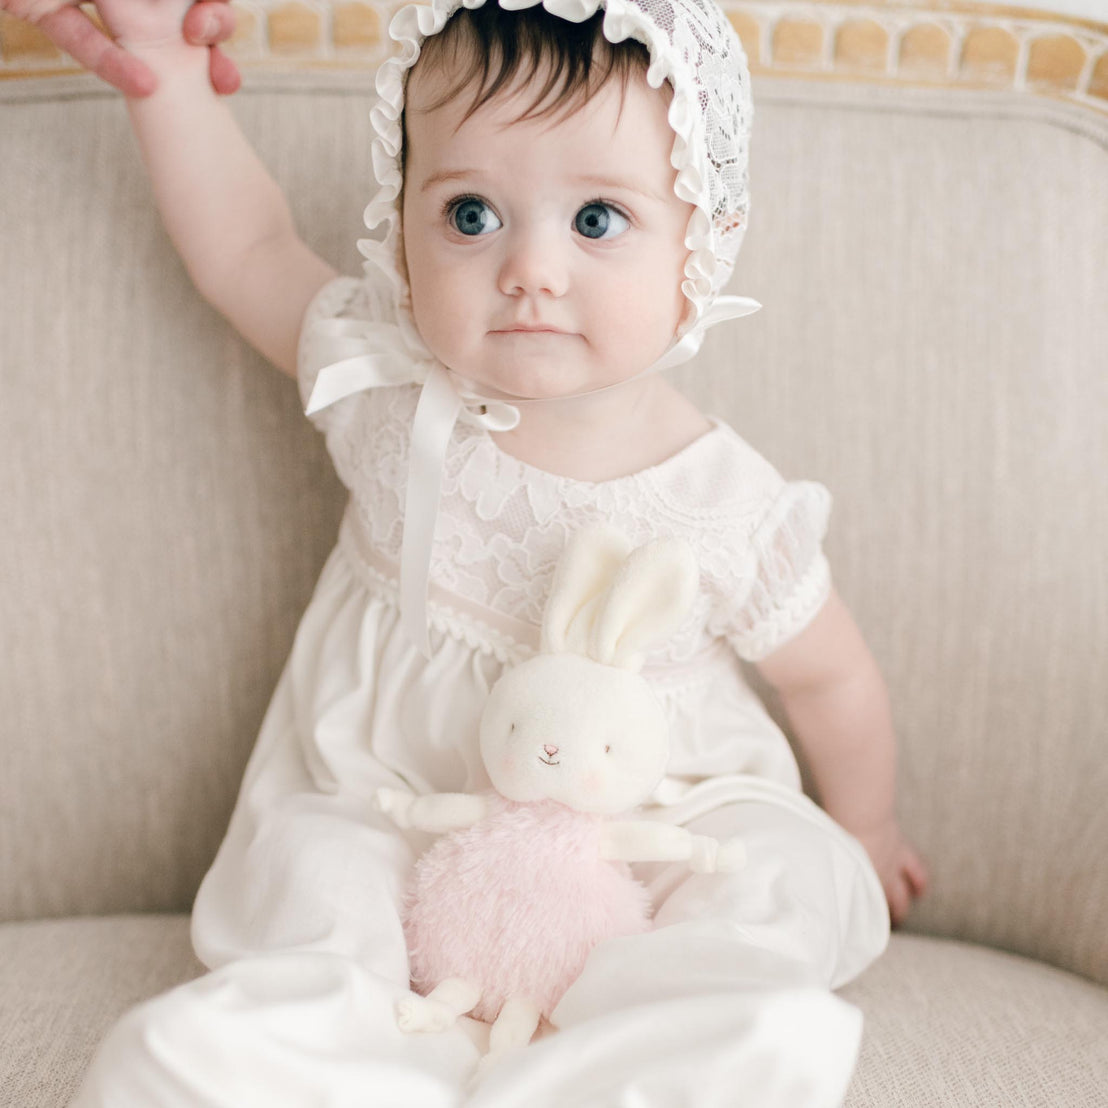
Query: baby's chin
(527, 377)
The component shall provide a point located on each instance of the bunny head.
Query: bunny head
(577, 723)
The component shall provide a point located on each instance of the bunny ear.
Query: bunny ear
(587, 568)
(649, 597)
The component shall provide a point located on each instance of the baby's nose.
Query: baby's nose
(550, 751)
(532, 266)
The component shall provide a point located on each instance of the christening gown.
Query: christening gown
(299, 916)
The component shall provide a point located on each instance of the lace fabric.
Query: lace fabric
(693, 48)
(503, 524)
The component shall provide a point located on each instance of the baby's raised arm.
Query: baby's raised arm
(225, 214)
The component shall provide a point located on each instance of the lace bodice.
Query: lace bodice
(502, 524)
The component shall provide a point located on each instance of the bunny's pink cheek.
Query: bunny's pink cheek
(594, 784)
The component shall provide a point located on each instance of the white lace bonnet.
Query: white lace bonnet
(693, 47)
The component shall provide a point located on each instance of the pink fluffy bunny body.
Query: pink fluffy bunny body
(505, 908)
(516, 903)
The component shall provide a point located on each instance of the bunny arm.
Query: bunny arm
(437, 813)
(647, 841)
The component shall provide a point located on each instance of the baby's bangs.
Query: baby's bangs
(487, 49)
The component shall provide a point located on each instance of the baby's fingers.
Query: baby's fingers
(223, 72)
(899, 898)
(915, 873)
(208, 23)
(907, 883)
(71, 30)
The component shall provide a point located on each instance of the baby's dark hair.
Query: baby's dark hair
(486, 49)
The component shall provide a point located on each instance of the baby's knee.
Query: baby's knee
(808, 892)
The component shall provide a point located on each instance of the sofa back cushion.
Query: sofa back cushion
(932, 348)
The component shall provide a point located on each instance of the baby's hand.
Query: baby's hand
(903, 873)
(204, 23)
(397, 805)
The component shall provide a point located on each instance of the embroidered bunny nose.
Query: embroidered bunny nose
(550, 751)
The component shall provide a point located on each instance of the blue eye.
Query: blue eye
(473, 217)
(599, 221)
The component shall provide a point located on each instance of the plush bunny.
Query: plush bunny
(504, 910)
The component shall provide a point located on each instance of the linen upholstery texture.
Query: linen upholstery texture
(932, 348)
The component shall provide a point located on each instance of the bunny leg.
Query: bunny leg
(440, 1008)
(514, 1028)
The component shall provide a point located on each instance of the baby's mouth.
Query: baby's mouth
(532, 330)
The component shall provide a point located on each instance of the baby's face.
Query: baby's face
(545, 256)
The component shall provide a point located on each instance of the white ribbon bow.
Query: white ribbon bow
(374, 355)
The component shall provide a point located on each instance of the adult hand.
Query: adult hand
(207, 23)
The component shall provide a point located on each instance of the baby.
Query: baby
(563, 191)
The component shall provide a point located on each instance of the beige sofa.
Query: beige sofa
(930, 239)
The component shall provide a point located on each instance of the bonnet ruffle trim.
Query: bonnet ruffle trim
(415, 22)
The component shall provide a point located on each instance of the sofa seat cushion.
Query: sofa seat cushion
(957, 1025)
(947, 1024)
(64, 982)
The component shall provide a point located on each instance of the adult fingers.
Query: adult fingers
(71, 30)
(208, 23)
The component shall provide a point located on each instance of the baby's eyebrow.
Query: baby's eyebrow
(619, 184)
(447, 175)
(591, 180)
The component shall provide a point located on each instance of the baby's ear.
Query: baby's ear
(649, 597)
(589, 564)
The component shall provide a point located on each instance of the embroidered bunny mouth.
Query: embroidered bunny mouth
(548, 762)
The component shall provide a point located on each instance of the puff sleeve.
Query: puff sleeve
(790, 577)
(333, 314)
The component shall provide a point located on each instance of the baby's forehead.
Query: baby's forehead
(619, 134)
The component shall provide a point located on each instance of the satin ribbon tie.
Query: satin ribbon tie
(376, 355)
(379, 357)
